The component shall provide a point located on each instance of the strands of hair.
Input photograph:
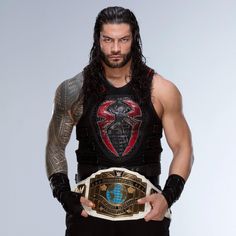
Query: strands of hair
(140, 84)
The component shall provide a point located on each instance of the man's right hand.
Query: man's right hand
(87, 203)
(71, 202)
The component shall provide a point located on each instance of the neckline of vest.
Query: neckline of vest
(111, 85)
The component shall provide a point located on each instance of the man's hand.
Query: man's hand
(87, 203)
(72, 203)
(159, 206)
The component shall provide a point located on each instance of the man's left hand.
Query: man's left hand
(159, 206)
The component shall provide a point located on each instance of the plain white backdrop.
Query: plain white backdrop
(191, 43)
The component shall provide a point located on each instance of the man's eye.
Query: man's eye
(124, 40)
(107, 40)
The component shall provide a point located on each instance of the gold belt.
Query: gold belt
(115, 192)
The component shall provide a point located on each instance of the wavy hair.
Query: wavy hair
(141, 85)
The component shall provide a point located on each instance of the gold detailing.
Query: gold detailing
(81, 189)
(115, 193)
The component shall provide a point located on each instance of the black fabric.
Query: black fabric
(151, 171)
(91, 226)
(173, 188)
(70, 201)
(119, 131)
(59, 183)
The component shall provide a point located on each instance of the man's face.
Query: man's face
(115, 44)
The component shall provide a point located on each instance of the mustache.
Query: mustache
(115, 54)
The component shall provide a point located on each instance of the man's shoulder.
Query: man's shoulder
(75, 82)
(69, 91)
(164, 90)
(162, 83)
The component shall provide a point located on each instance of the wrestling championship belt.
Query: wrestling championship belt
(115, 192)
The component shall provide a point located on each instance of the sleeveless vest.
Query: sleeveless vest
(118, 131)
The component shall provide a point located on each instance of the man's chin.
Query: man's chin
(112, 65)
(115, 64)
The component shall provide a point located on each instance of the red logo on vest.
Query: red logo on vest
(119, 123)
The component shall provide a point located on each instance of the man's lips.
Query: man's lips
(115, 57)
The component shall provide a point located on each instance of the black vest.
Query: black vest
(117, 131)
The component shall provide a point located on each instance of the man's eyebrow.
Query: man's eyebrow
(125, 36)
(105, 36)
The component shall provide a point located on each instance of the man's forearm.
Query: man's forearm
(59, 132)
(182, 162)
(55, 160)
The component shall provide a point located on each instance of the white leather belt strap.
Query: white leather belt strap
(115, 192)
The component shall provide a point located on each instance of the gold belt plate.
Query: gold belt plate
(115, 193)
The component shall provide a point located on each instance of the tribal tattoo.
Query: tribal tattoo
(68, 108)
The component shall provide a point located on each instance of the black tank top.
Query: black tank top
(118, 131)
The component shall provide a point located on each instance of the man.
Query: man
(119, 107)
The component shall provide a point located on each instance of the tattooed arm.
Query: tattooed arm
(62, 122)
(67, 112)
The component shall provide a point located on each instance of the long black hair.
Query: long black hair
(139, 71)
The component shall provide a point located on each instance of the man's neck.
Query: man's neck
(118, 76)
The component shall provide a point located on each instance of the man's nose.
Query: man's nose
(115, 47)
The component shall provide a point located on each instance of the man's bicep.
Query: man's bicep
(176, 130)
(175, 126)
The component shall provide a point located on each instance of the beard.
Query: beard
(106, 59)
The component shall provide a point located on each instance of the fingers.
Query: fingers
(84, 214)
(146, 199)
(158, 205)
(87, 202)
(153, 215)
(149, 216)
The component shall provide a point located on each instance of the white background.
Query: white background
(191, 43)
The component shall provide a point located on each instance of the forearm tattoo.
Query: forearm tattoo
(68, 108)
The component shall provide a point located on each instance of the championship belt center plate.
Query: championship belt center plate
(115, 192)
